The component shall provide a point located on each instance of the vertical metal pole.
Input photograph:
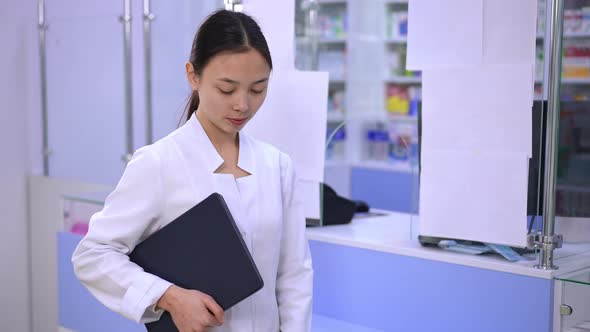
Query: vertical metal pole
(42, 25)
(126, 20)
(549, 241)
(148, 17)
(312, 27)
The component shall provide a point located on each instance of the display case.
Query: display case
(78, 310)
(573, 301)
(78, 209)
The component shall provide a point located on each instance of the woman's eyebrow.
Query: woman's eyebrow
(228, 80)
(261, 80)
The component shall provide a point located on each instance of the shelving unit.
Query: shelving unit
(397, 40)
(404, 80)
(332, 40)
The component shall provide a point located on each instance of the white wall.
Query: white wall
(17, 101)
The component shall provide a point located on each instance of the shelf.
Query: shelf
(570, 35)
(370, 116)
(96, 198)
(332, 2)
(399, 40)
(579, 277)
(570, 81)
(337, 80)
(336, 163)
(336, 117)
(402, 118)
(404, 80)
(332, 40)
(386, 166)
(575, 80)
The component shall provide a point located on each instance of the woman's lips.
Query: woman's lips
(237, 122)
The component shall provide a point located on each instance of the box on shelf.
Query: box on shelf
(403, 100)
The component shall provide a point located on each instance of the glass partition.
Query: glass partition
(85, 90)
(373, 103)
(573, 168)
(173, 31)
(574, 308)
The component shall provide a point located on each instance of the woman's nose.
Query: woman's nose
(241, 104)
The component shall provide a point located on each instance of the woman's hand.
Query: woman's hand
(191, 310)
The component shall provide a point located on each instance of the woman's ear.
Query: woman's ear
(192, 76)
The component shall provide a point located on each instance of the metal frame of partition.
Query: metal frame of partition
(126, 20)
(547, 241)
(42, 26)
(148, 17)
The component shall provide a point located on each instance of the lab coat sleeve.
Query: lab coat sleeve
(295, 275)
(100, 261)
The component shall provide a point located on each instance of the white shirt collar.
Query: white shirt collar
(213, 159)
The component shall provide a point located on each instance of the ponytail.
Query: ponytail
(191, 107)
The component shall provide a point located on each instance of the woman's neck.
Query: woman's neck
(220, 139)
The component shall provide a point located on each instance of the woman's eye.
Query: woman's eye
(229, 92)
(257, 92)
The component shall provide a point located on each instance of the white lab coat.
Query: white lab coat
(164, 180)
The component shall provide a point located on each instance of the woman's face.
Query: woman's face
(231, 89)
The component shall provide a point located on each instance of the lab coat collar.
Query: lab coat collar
(214, 159)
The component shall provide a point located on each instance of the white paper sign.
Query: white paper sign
(479, 196)
(444, 33)
(487, 108)
(509, 31)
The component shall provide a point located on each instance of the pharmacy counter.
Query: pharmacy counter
(374, 273)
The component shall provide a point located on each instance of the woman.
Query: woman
(228, 71)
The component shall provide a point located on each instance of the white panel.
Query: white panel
(474, 195)
(173, 31)
(293, 117)
(444, 33)
(277, 21)
(509, 31)
(86, 103)
(478, 108)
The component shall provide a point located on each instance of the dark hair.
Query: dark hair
(224, 31)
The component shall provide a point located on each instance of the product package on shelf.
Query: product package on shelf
(376, 145)
(333, 24)
(576, 61)
(403, 143)
(397, 24)
(402, 100)
(336, 104)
